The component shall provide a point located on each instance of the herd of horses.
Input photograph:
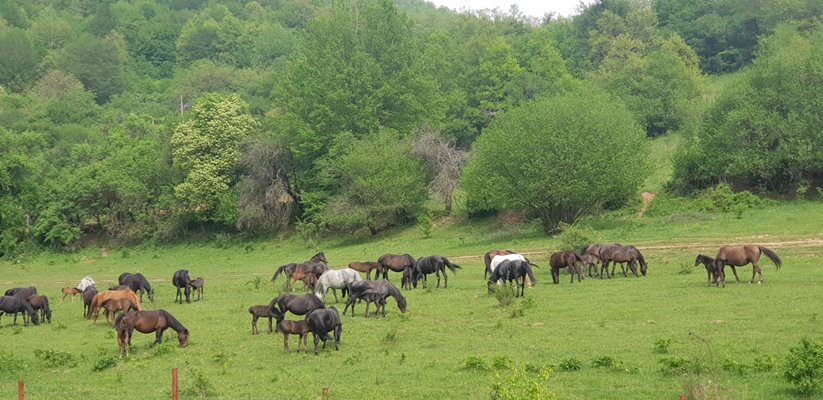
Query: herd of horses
(501, 266)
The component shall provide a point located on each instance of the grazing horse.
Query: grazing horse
(317, 265)
(41, 303)
(323, 321)
(738, 256)
(513, 271)
(112, 306)
(14, 305)
(496, 260)
(22, 293)
(197, 285)
(138, 283)
(395, 262)
(597, 248)
(86, 282)
(379, 301)
(432, 265)
(88, 297)
(147, 322)
(591, 261)
(563, 259)
(335, 279)
(489, 256)
(288, 327)
(366, 268)
(70, 291)
(100, 298)
(711, 269)
(622, 254)
(298, 305)
(381, 287)
(181, 280)
(257, 312)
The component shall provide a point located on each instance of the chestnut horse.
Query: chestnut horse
(70, 291)
(395, 262)
(366, 268)
(100, 298)
(316, 265)
(147, 322)
(563, 259)
(738, 256)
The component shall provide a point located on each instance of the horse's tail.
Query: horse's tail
(585, 249)
(531, 274)
(278, 272)
(487, 259)
(772, 256)
(453, 267)
(46, 308)
(118, 322)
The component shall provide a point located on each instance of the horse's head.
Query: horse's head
(643, 267)
(183, 337)
(698, 259)
(401, 304)
(34, 318)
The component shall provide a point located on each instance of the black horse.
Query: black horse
(323, 321)
(298, 305)
(512, 271)
(22, 293)
(14, 305)
(359, 289)
(138, 283)
(432, 265)
(712, 272)
(181, 281)
(88, 296)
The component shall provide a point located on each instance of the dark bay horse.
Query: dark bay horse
(711, 269)
(513, 271)
(432, 265)
(566, 259)
(395, 262)
(257, 312)
(317, 265)
(622, 255)
(382, 287)
(591, 261)
(88, 298)
(298, 305)
(15, 305)
(147, 322)
(138, 283)
(323, 321)
(738, 256)
(366, 268)
(39, 302)
(181, 281)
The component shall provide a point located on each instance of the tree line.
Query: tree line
(145, 119)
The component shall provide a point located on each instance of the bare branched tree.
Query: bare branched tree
(266, 194)
(444, 160)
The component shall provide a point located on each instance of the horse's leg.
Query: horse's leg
(188, 294)
(338, 330)
(334, 292)
(286, 342)
(316, 340)
(734, 271)
(269, 324)
(445, 278)
(64, 298)
(367, 315)
(756, 270)
(158, 337)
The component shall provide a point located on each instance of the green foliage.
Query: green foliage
(104, 363)
(475, 363)
(516, 384)
(21, 55)
(10, 364)
(575, 237)
(424, 223)
(661, 346)
(56, 358)
(570, 364)
(765, 363)
(98, 63)
(200, 385)
(551, 166)
(505, 295)
(734, 366)
(501, 362)
(804, 367)
(764, 126)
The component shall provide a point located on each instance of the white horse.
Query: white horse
(85, 282)
(335, 279)
(507, 257)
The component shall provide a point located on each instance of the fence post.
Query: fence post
(21, 390)
(174, 394)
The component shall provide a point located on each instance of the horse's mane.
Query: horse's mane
(394, 292)
(173, 322)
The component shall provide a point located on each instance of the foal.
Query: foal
(257, 312)
(41, 303)
(114, 305)
(295, 328)
(197, 285)
(70, 291)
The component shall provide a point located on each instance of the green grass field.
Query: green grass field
(422, 354)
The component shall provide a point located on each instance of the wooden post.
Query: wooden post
(174, 394)
(21, 390)
(325, 393)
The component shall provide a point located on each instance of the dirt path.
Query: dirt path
(647, 199)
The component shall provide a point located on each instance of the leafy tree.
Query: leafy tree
(21, 168)
(18, 65)
(98, 63)
(559, 157)
(207, 148)
(378, 183)
(51, 30)
(216, 34)
(764, 130)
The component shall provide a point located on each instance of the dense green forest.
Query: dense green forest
(150, 119)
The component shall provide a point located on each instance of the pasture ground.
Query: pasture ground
(722, 333)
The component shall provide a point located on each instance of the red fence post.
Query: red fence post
(174, 394)
(21, 390)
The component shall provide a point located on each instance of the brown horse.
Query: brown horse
(39, 302)
(590, 261)
(70, 291)
(395, 262)
(317, 265)
(147, 322)
(88, 297)
(100, 298)
(366, 268)
(563, 259)
(112, 306)
(622, 255)
(197, 285)
(738, 256)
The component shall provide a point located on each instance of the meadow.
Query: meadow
(604, 338)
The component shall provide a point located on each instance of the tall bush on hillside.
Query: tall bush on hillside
(559, 157)
(764, 130)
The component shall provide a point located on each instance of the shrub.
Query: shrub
(734, 366)
(104, 362)
(765, 363)
(661, 346)
(56, 359)
(575, 237)
(10, 363)
(804, 367)
(200, 385)
(516, 384)
(501, 362)
(505, 295)
(476, 363)
(675, 365)
(604, 362)
(424, 224)
(570, 364)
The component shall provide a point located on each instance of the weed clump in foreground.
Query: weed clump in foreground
(804, 367)
(104, 362)
(516, 384)
(475, 363)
